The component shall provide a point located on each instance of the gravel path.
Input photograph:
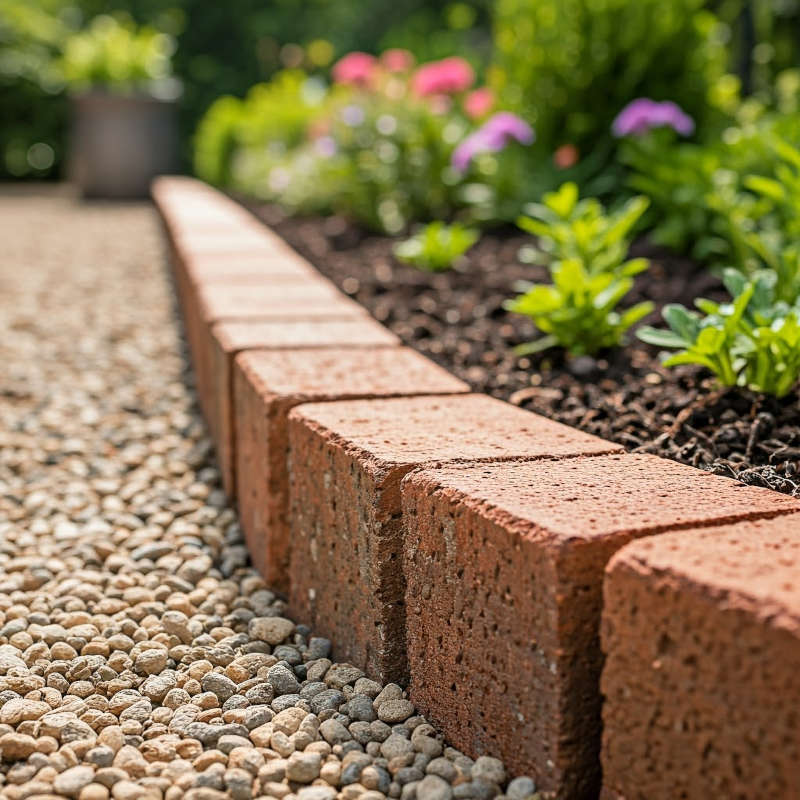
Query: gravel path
(140, 656)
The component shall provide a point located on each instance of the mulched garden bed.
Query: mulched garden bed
(457, 319)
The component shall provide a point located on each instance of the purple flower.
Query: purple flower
(325, 146)
(492, 137)
(353, 115)
(643, 114)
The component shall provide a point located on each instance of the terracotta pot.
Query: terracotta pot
(119, 143)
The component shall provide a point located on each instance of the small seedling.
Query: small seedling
(587, 248)
(437, 246)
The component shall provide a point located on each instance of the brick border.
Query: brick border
(503, 564)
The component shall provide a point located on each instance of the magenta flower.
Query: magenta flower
(492, 137)
(448, 76)
(397, 60)
(643, 114)
(355, 69)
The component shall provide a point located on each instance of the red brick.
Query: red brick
(505, 568)
(186, 203)
(347, 460)
(230, 338)
(701, 632)
(270, 300)
(244, 268)
(268, 384)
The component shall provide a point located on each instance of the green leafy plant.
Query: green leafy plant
(705, 197)
(239, 140)
(590, 273)
(753, 341)
(436, 247)
(569, 66)
(568, 227)
(115, 54)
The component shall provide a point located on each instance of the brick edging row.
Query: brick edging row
(464, 545)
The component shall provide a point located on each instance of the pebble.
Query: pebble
(141, 658)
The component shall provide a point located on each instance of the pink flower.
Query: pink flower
(355, 69)
(492, 137)
(479, 102)
(397, 60)
(448, 76)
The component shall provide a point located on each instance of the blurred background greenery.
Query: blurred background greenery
(585, 58)
(220, 48)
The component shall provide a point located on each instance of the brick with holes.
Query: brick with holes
(505, 570)
(347, 461)
(701, 631)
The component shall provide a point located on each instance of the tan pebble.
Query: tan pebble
(330, 772)
(199, 668)
(275, 789)
(94, 791)
(61, 650)
(203, 761)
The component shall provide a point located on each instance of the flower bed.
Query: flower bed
(625, 395)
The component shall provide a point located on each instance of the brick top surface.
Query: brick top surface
(589, 498)
(214, 267)
(754, 560)
(237, 240)
(424, 429)
(316, 297)
(250, 334)
(339, 372)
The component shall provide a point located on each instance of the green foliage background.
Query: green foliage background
(223, 48)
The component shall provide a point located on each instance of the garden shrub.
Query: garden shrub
(700, 201)
(569, 66)
(273, 117)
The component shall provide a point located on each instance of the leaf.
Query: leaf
(660, 337)
(685, 324)
(563, 201)
(766, 187)
(534, 226)
(537, 346)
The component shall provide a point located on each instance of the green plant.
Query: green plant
(568, 227)
(702, 195)
(115, 54)
(588, 249)
(436, 247)
(570, 65)
(256, 131)
(753, 341)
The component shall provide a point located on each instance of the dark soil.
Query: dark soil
(457, 319)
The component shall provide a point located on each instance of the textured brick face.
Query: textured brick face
(267, 385)
(701, 632)
(505, 568)
(230, 338)
(347, 460)
(266, 301)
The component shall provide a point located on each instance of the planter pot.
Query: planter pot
(119, 143)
